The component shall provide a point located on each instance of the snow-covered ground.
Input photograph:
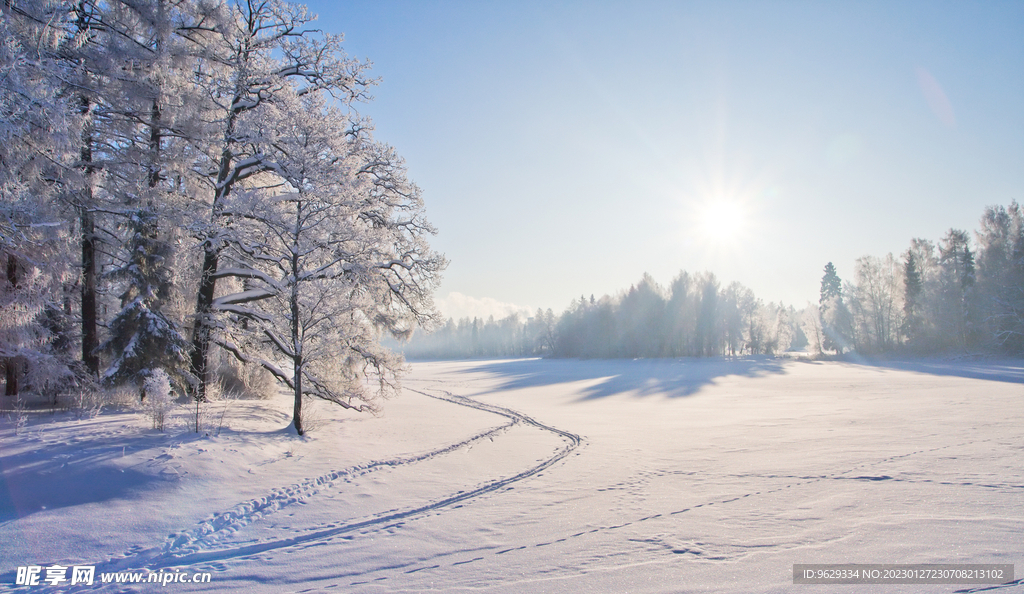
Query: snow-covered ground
(544, 476)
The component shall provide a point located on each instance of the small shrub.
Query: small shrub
(248, 382)
(125, 396)
(83, 403)
(157, 397)
(19, 416)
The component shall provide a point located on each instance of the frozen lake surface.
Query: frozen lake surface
(547, 476)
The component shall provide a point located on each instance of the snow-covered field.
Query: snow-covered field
(544, 476)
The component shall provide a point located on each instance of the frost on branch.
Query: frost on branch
(344, 258)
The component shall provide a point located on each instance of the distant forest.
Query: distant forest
(954, 296)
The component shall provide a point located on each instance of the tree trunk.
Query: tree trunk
(90, 334)
(297, 409)
(11, 364)
(11, 387)
(207, 277)
(296, 345)
(204, 312)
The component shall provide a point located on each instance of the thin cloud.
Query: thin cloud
(456, 305)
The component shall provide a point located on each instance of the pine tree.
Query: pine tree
(913, 285)
(142, 338)
(959, 308)
(149, 109)
(831, 285)
(836, 321)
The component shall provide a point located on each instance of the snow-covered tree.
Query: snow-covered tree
(707, 336)
(259, 50)
(344, 257)
(831, 284)
(149, 113)
(32, 252)
(785, 328)
(877, 302)
(913, 287)
(738, 305)
(957, 314)
(106, 61)
(641, 319)
(1000, 263)
(142, 338)
(810, 323)
(35, 149)
(681, 314)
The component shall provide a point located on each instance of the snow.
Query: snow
(544, 476)
(243, 297)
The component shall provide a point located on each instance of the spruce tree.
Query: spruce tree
(831, 285)
(912, 287)
(836, 322)
(142, 337)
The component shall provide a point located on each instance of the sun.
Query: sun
(722, 221)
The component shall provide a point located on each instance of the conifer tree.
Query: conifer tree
(958, 307)
(142, 338)
(836, 322)
(913, 284)
(831, 285)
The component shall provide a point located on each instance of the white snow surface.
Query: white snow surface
(543, 476)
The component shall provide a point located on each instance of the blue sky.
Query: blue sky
(566, 148)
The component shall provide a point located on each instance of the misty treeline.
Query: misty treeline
(695, 316)
(188, 196)
(960, 294)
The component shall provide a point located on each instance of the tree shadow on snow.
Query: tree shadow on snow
(673, 378)
(24, 492)
(67, 474)
(1000, 370)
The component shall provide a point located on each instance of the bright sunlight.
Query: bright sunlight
(722, 221)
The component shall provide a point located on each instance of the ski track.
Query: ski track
(705, 551)
(196, 546)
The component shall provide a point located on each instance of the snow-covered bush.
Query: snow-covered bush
(156, 390)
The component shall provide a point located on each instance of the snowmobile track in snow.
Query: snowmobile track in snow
(194, 547)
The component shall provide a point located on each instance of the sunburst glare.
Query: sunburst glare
(722, 221)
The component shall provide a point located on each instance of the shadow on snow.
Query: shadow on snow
(674, 378)
(999, 370)
(30, 483)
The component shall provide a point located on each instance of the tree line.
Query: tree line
(695, 316)
(957, 295)
(184, 181)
